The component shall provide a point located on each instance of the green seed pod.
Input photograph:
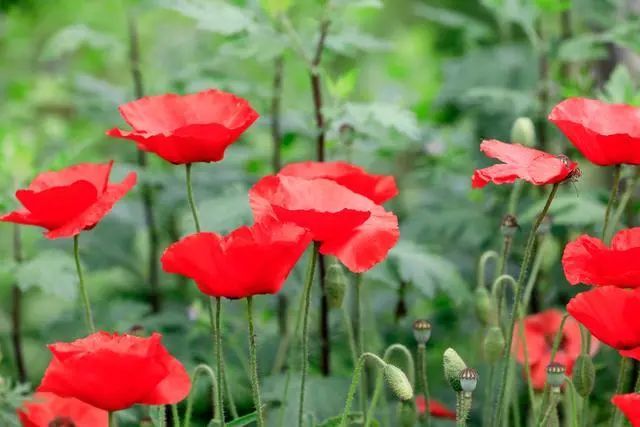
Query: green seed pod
(397, 382)
(407, 414)
(584, 375)
(483, 305)
(555, 376)
(422, 331)
(453, 365)
(493, 344)
(523, 132)
(336, 285)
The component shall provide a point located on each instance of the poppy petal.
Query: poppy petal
(45, 408)
(629, 404)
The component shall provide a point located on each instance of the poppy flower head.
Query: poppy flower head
(114, 372)
(610, 314)
(189, 128)
(378, 188)
(606, 134)
(249, 261)
(47, 409)
(588, 260)
(520, 162)
(348, 225)
(539, 333)
(629, 404)
(71, 200)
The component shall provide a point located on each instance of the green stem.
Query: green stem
(305, 332)
(514, 197)
(584, 419)
(219, 365)
(461, 420)
(354, 383)
(348, 326)
(533, 276)
(88, 316)
(557, 339)
(192, 203)
(624, 200)
(202, 369)
(422, 377)
(636, 389)
(216, 338)
(527, 367)
(227, 389)
(612, 200)
(552, 407)
(497, 415)
(506, 247)
(113, 422)
(625, 364)
(360, 335)
(255, 385)
(573, 409)
(482, 266)
(175, 416)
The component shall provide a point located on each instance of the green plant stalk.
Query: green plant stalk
(255, 384)
(305, 332)
(422, 377)
(360, 334)
(88, 316)
(624, 200)
(514, 197)
(461, 419)
(192, 203)
(482, 266)
(348, 326)
(527, 368)
(572, 407)
(202, 369)
(113, 422)
(227, 389)
(175, 416)
(354, 383)
(516, 413)
(506, 248)
(497, 414)
(625, 365)
(612, 200)
(552, 407)
(533, 277)
(219, 356)
(555, 346)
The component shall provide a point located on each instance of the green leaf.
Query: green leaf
(352, 418)
(216, 16)
(391, 116)
(621, 88)
(52, 271)
(73, 37)
(553, 6)
(276, 7)
(243, 420)
(344, 85)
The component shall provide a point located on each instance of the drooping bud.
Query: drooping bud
(468, 380)
(407, 413)
(347, 134)
(62, 422)
(483, 304)
(397, 382)
(453, 365)
(584, 375)
(523, 132)
(422, 331)
(336, 285)
(509, 225)
(493, 344)
(545, 225)
(555, 376)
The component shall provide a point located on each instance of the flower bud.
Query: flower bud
(509, 225)
(555, 376)
(397, 382)
(584, 375)
(61, 421)
(422, 331)
(493, 344)
(468, 380)
(453, 365)
(483, 304)
(523, 132)
(407, 413)
(336, 285)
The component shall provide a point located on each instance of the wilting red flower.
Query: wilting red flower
(436, 409)
(45, 409)
(520, 162)
(606, 134)
(186, 129)
(588, 260)
(378, 188)
(68, 201)
(349, 226)
(539, 331)
(113, 372)
(611, 315)
(249, 261)
(629, 404)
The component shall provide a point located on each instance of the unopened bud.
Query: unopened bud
(397, 382)
(584, 375)
(468, 380)
(493, 344)
(336, 285)
(422, 331)
(483, 304)
(453, 365)
(523, 132)
(407, 414)
(509, 225)
(555, 376)
(61, 422)
(347, 134)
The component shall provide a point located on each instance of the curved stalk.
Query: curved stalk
(255, 384)
(549, 412)
(482, 265)
(88, 316)
(175, 417)
(202, 369)
(354, 383)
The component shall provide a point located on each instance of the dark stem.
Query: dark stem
(276, 101)
(146, 192)
(16, 311)
(219, 365)
(255, 385)
(401, 305)
(325, 342)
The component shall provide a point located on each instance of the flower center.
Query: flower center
(62, 422)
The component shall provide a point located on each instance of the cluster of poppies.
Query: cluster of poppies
(607, 135)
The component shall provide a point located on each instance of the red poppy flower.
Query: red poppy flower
(186, 129)
(114, 372)
(588, 260)
(520, 162)
(611, 315)
(249, 261)
(629, 404)
(606, 134)
(378, 188)
(539, 331)
(349, 226)
(45, 409)
(436, 409)
(68, 201)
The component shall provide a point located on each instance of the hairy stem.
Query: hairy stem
(625, 365)
(612, 200)
(422, 378)
(354, 383)
(88, 316)
(199, 370)
(255, 385)
(192, 203)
